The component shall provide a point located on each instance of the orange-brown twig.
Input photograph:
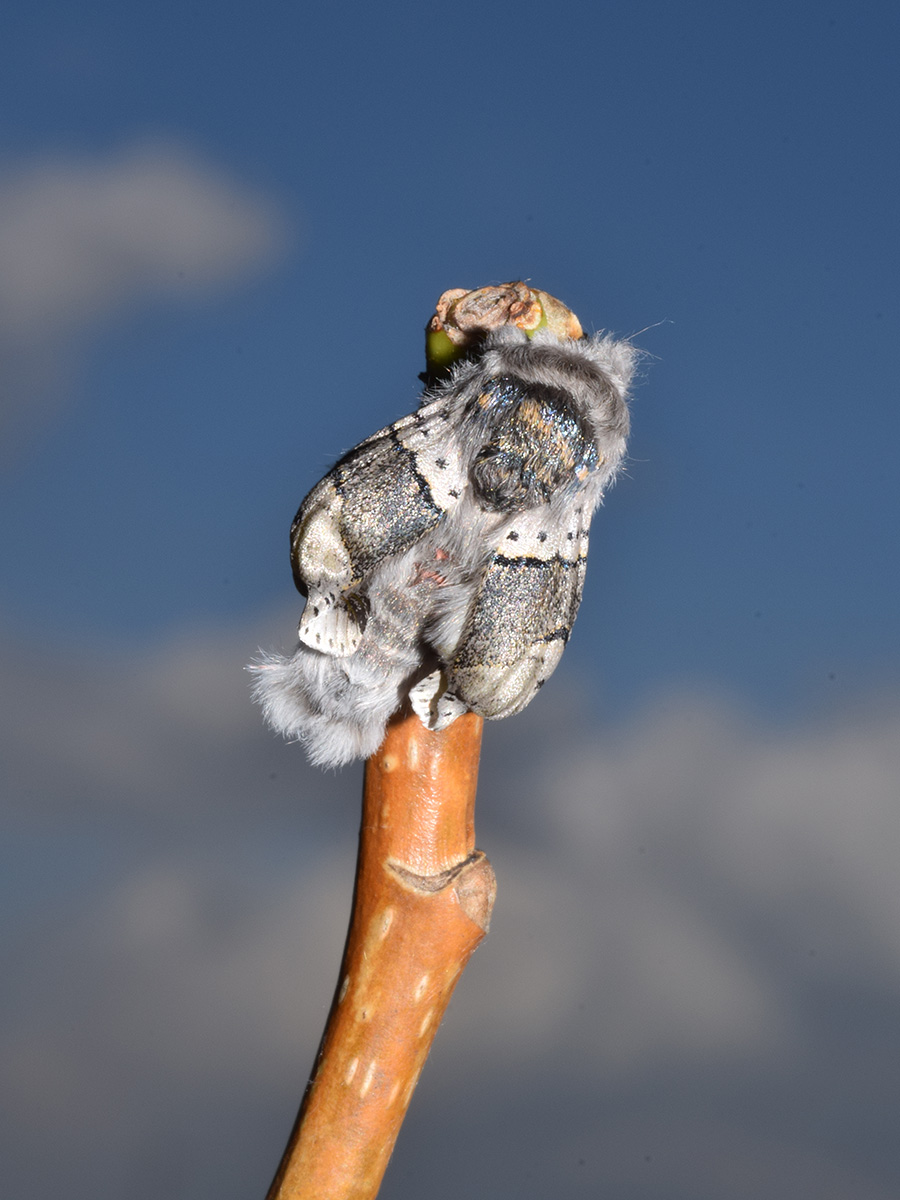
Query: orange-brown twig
(422, 904)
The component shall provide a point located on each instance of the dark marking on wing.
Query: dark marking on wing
(537, 444)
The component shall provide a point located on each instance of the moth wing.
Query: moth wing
(537, 446)
(380, 499)
(524, 608)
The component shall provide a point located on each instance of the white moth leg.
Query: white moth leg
(435, 707)
(328, 625)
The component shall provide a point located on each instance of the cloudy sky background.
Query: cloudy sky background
(220, 236)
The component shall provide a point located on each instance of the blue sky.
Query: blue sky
(724, 174)
(222, 230)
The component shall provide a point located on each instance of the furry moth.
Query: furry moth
(443, 558)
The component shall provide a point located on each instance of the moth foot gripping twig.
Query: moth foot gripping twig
(443, 558)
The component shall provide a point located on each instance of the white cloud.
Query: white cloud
(687, 904)
(83, 239)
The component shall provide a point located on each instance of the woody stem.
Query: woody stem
(422, 904)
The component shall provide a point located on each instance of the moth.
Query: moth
(443, 558)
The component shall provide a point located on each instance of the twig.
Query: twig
(422, 904)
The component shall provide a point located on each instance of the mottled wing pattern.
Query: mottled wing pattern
(537, 445)
(533, 466)
(523, 612)
(380, 499)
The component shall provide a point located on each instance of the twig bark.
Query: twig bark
(422, 904)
